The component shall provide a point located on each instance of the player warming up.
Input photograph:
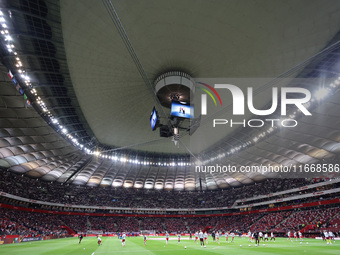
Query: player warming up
(226, 234)
(80, 238)
(249, 235)
(257, 240)
(217, 236)
(145, 240)
(123, 239)
(327, 237)
(266, 237)
(179, 237)
(201, 236)
(272, 236)
(206, 238)
(261, 235)
(99, 240)
(288, 234)
(232, 236)
(166, 238)
(196, 237)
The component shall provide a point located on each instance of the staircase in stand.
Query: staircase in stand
(207, 228)
(68, 229)
(308, 227)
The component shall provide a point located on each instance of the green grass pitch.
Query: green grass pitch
(135, 245)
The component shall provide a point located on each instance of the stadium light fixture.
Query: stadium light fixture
(321, 93)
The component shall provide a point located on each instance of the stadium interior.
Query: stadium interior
(79, 80)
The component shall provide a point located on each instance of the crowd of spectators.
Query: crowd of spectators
(30, 223)
(240, 222)
(334, 223)
(296, 193)
(317, 219)
(138, 198)
(33, 224)
(13, 222)
(269, 221)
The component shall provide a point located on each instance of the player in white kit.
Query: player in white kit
(327, 237)
(206, 238)
(201, 236)
(288, 234)
(331, 237)
(217, 235)
(123, 239)
(196, 237)
(226, 234)
(232, 234)
(266, 237)
(261, 236)
(166, 238)
(250, 237)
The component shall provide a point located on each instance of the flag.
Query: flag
(10, 75)
(14, 81)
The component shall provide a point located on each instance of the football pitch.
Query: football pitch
(135, 245)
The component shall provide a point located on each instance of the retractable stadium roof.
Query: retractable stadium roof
(92, 65)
